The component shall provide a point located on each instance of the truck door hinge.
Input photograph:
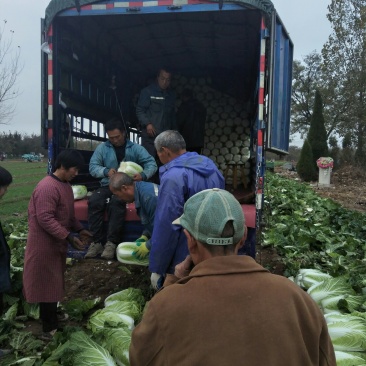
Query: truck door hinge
(174, 7)
(133, 9)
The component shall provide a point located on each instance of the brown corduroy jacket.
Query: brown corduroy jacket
(231, 311)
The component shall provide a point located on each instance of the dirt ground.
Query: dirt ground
(90, 278)
(347, 186)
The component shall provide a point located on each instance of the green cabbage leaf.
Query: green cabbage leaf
(89, 353)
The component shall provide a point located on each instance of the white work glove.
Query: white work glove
(156, 281)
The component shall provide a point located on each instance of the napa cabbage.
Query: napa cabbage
(79, 192)
(117, 342)
(330, 287)
(99, 320)
(130, 168)
(347, 332)
(342, 303)
(130, 308)
(89, 352)
(124, 254)
(349, 359)
(306, 277)
(104, 318)
(128, 294)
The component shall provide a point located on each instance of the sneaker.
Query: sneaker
(47, 336)
(62, 317)
(109, 250)
(94, 250)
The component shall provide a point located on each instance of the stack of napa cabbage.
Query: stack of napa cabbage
(344, 312)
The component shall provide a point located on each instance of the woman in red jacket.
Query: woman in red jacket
(52, 222)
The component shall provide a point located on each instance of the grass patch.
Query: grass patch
(14, 205)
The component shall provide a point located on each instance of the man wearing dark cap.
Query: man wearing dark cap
(228, 310)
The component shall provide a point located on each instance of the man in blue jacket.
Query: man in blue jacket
(155, 110)
(145, 196)
(104, 164)
(182, 175)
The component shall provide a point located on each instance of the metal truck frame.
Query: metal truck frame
(97, 56)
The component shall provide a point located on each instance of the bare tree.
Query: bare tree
(10, 69)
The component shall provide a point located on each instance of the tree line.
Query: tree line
(338, 76)
(15, 144)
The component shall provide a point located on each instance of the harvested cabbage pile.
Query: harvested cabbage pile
(107, 338)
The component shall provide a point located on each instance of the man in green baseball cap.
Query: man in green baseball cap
(228, 309)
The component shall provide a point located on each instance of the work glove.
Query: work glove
(141, 250)
(156, 281)
(142, 238)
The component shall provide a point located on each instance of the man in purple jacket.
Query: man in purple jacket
(182, 175)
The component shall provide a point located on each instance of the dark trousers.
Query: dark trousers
(101, 200)
(48, 315)
(156, 177)
(148, 143)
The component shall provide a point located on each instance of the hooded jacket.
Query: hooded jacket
(180, 179)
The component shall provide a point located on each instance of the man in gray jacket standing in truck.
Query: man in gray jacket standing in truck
(155, 110)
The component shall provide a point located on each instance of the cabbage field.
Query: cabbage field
(321, 246)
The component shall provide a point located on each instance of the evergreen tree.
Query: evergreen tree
(317, 136)
(305, 166)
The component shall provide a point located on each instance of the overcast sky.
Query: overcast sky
(305, 21)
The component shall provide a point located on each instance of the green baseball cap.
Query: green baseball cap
(206, 214)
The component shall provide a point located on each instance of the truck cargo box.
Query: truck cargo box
(236, 56)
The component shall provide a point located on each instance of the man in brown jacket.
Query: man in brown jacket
(229, 310)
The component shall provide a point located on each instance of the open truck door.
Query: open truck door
(273, 125)
(279, 93)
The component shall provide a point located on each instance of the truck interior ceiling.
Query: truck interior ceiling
(103, 62)
(220, 46)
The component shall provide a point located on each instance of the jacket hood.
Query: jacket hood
(191, 160)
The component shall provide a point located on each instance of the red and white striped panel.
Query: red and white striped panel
(260, 142)
(127, 4)
(50, 100)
